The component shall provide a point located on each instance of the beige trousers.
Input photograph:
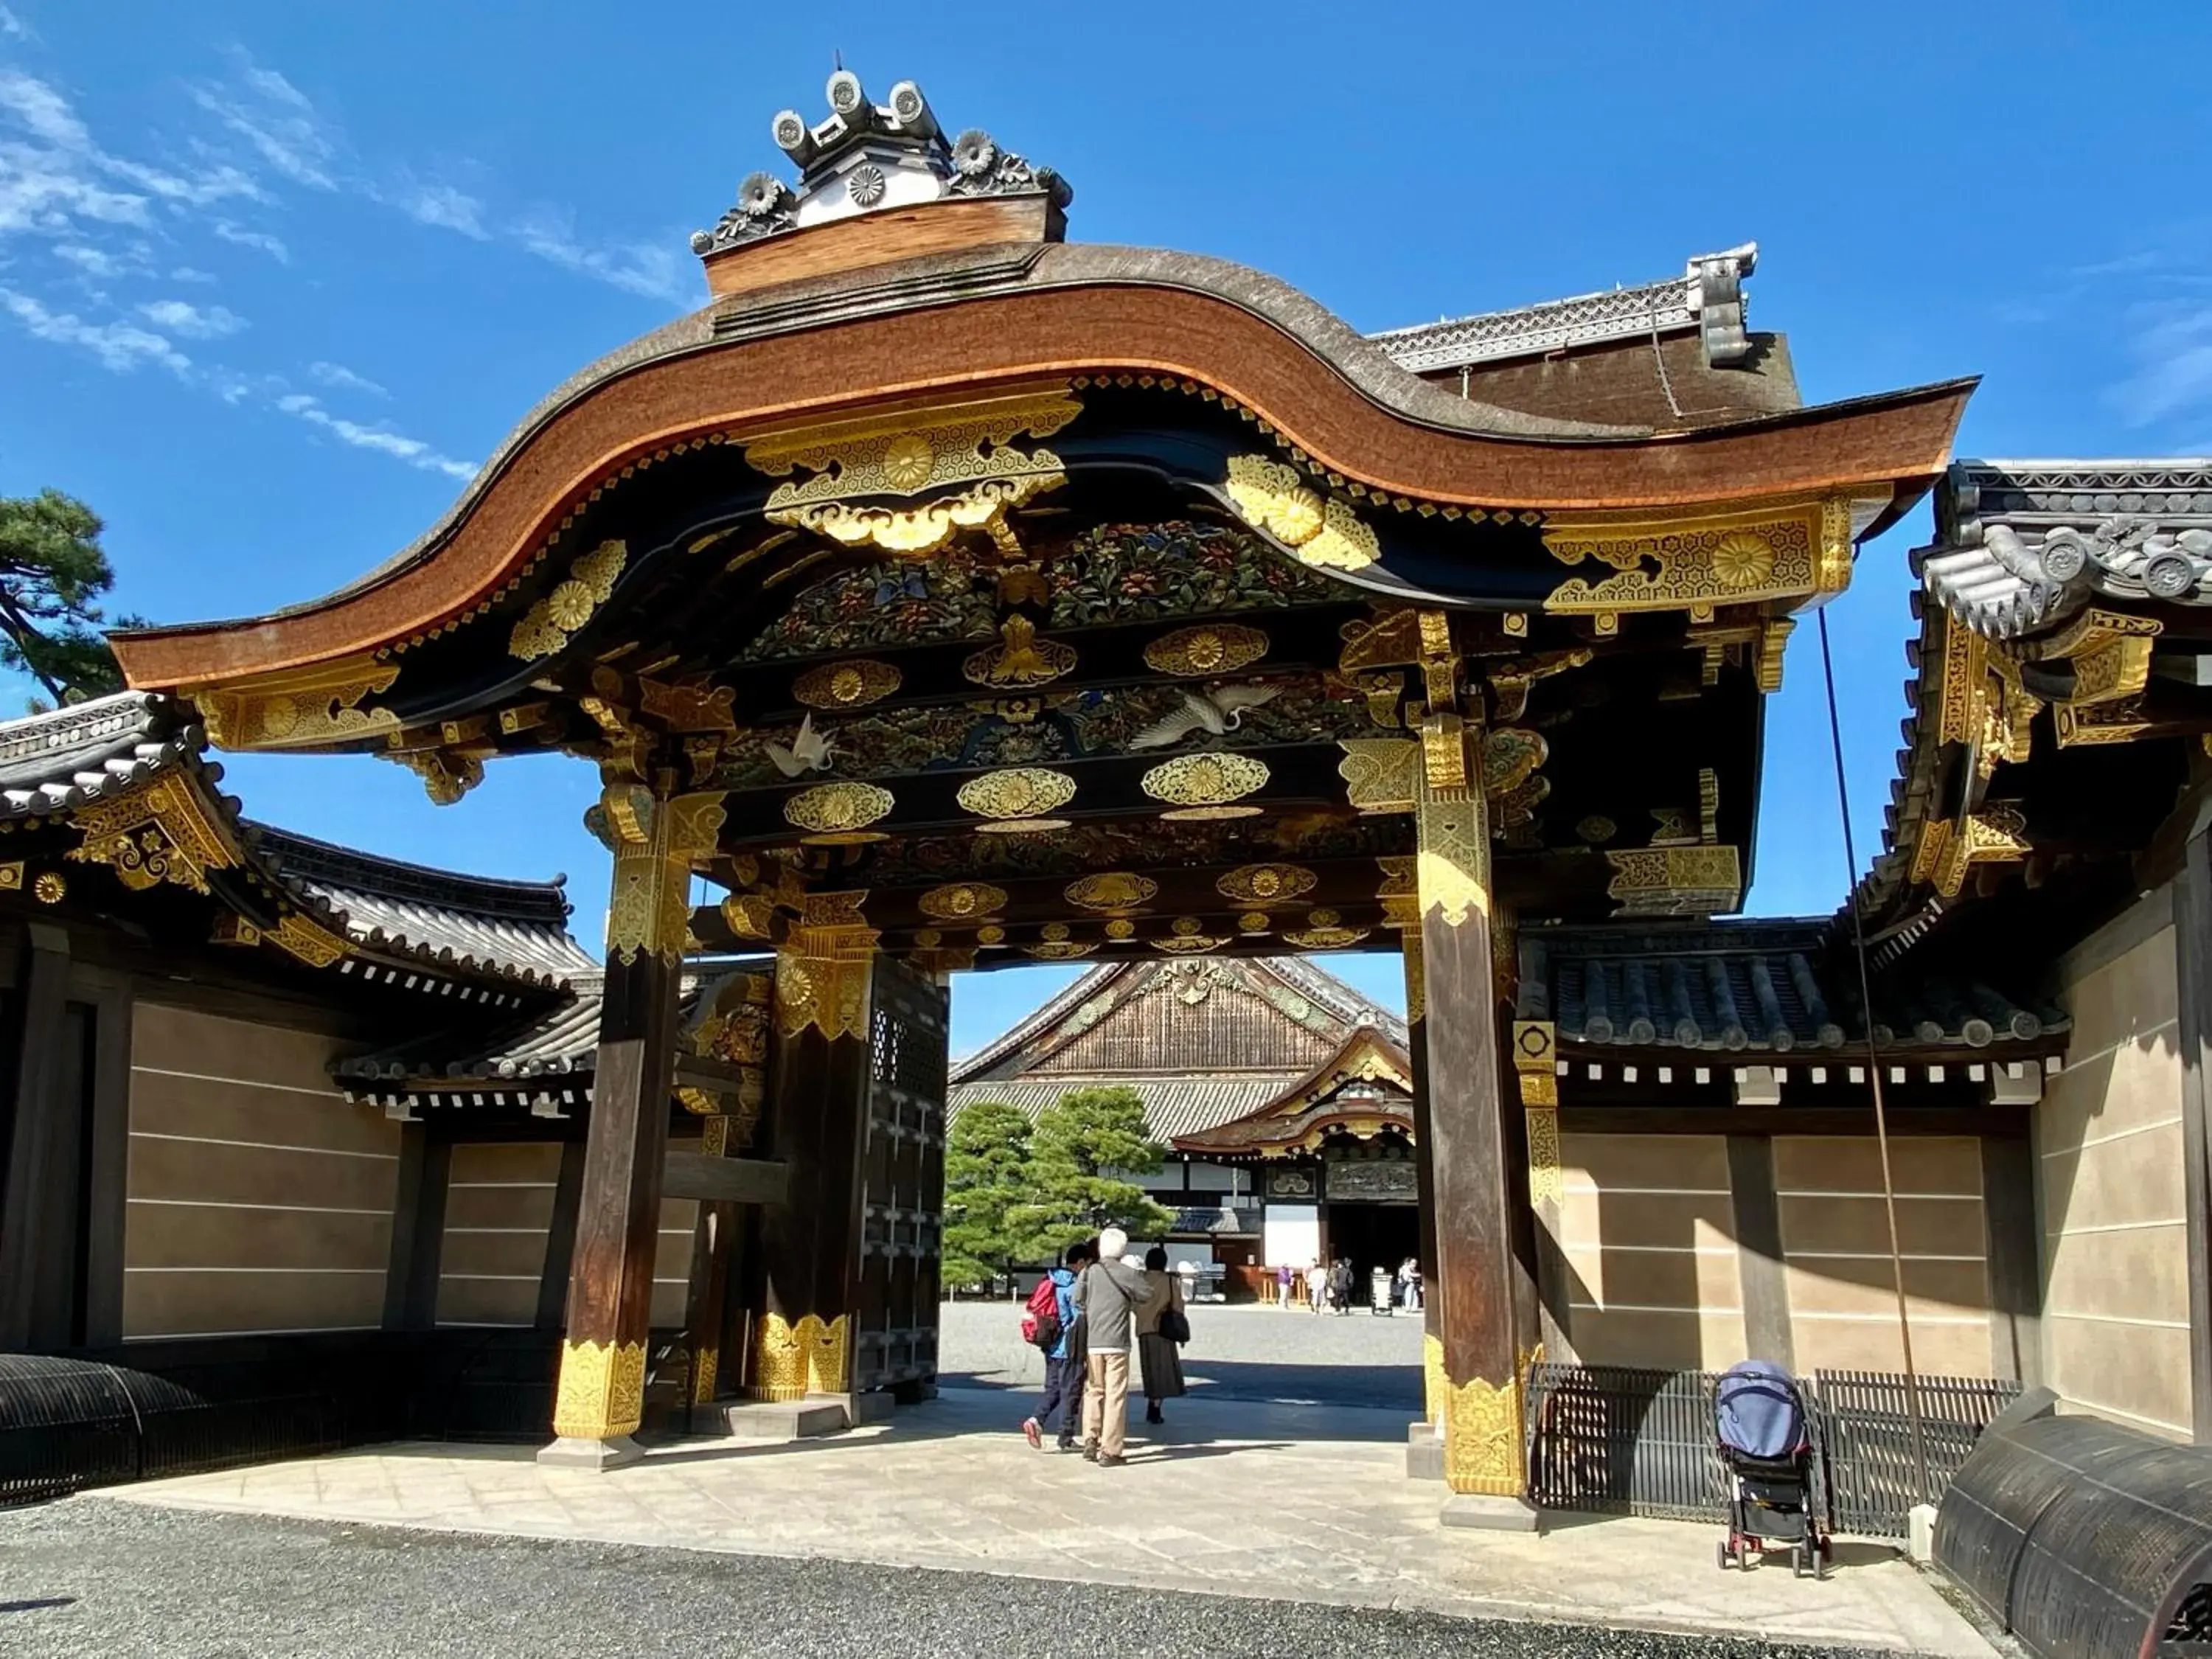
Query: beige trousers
(1106, 1402)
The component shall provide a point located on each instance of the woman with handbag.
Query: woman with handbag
(1162, 1328)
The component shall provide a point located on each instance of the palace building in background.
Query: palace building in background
(950, 595)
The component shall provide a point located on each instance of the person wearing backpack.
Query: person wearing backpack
(1050, 1323)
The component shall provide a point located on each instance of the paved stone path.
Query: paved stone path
(1235, 1352)
(1232, 1498)
(96, 1579)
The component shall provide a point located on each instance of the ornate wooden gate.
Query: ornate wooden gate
(902, 1193)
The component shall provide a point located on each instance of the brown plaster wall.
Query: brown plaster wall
(2109, 1187)
(499, 1204)
(1655, 1272)
(258, 1198)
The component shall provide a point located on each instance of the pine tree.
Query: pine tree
(52, 572)
(987, 1179)
(1086, 1145)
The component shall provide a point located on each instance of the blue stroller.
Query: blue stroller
(1765, 1444)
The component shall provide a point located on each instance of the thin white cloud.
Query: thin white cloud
(441, 206)
(191, 273)
(193, 322)
(277, 121)
(93, 262)
(303, 406)
(341, 378)
(642, 268)
(2174, 350)
(13, 27)
(120, 347)
(227, 230)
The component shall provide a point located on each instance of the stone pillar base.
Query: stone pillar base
(570, 1452)
(1486, 1514)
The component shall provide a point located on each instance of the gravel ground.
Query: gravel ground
(95, 1577)
(1235, 1353)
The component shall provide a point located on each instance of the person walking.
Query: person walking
(1317, 1288)
(1283, 1297)
(1340, 1286)
(1108, 1293)
(1063, 1361)
(1162, 1325)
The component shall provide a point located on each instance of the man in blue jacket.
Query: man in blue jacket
(1063, 1365)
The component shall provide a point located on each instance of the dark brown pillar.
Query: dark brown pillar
(815, 1121)
(39, 1222)
(419, 1229)
(2192, 934)
(1401, 909)
(1477, 1266)
(2016, 1258)
(1762, 1279)
(109, 1153)
(561, 1238)
(602, 1391)
(714, 1248)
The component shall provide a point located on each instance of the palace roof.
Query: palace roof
(1205, 1043)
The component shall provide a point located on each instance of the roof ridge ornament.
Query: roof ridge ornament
(865, 157)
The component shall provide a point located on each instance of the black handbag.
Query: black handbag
(1175, 1325)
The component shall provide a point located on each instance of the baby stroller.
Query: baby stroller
(1765, 1444)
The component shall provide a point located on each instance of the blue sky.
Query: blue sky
(274, 276)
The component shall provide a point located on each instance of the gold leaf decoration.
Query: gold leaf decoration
(1022, 792)
(1020, 659)
(852, 684)
(1021, 826)
(1204, 780)
(546, 626)
(1113, 889)
(1265, 883)
(1121, 928)
(1061, 950)
(1217, 648)
(1743, 558)
(961, 901)
(1187, 936)
(1272, 496)
(990, 935)
(1325, 931)
(1209, 814)
(602, 1391)
(50, 888)
(791, 1361)
(1253, 921)
(829, 808)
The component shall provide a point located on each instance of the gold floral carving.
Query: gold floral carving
(962, 457)
(1121, 928)
(1545, 1183)
(852, 684)
(546, 626)
(446, 776)
(1380, 773)
(1995, 835)
(836, 813)
(1510, 755)
(50, 888)
(300, 708)
(156, 833)
(1020, 660)
(656, 844)
(1510, 682)
(1451, 841)
(1483, 1437)
(706, 1363)
(11, 876)
(1024, 792)
(602, 1391)
(749, 916)
(1216, 648)
(963, 901)
(1675, 881)
(1061, 950)
(1207, 778)
(1272, 495)
(990, 934)
(1773, 635)
(1113, 890)
(1254, 921)
(1324, 931)
(1436, 1385)
(824, 968)
(312, 943)
(791, 1361)
(1265, 883)
(1697, 561)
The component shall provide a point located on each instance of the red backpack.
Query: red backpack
(1041, 1316)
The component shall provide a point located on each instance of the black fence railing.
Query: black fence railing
(1618, 1440)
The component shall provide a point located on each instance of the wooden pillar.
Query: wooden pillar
(1400, 909)
(39, 1222)
(419, 1229)
(601, 1397)
(732, 1027)
(808, 1262)
(714, 1248)
(1475, 1188)
(1762, 1280)
(109, 1152)
(2016, 1258)
(2192, 934)
(560, 1238)
(1547, 1319)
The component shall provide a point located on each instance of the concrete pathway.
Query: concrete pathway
(1238, 1499)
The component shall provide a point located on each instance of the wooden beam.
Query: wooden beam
(2016, 1258)
(561, 1238)
(419, 1229)
(36, 1210)
(108, 1149)
(1763, 1282)
(726, 1180)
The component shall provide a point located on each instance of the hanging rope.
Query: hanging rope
(1873, 1073)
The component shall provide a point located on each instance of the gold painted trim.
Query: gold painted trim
(602, 1391)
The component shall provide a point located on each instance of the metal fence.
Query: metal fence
(1622, 1441)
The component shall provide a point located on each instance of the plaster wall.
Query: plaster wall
(2109, 1182)
(259, 1199)
(499, 1207)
